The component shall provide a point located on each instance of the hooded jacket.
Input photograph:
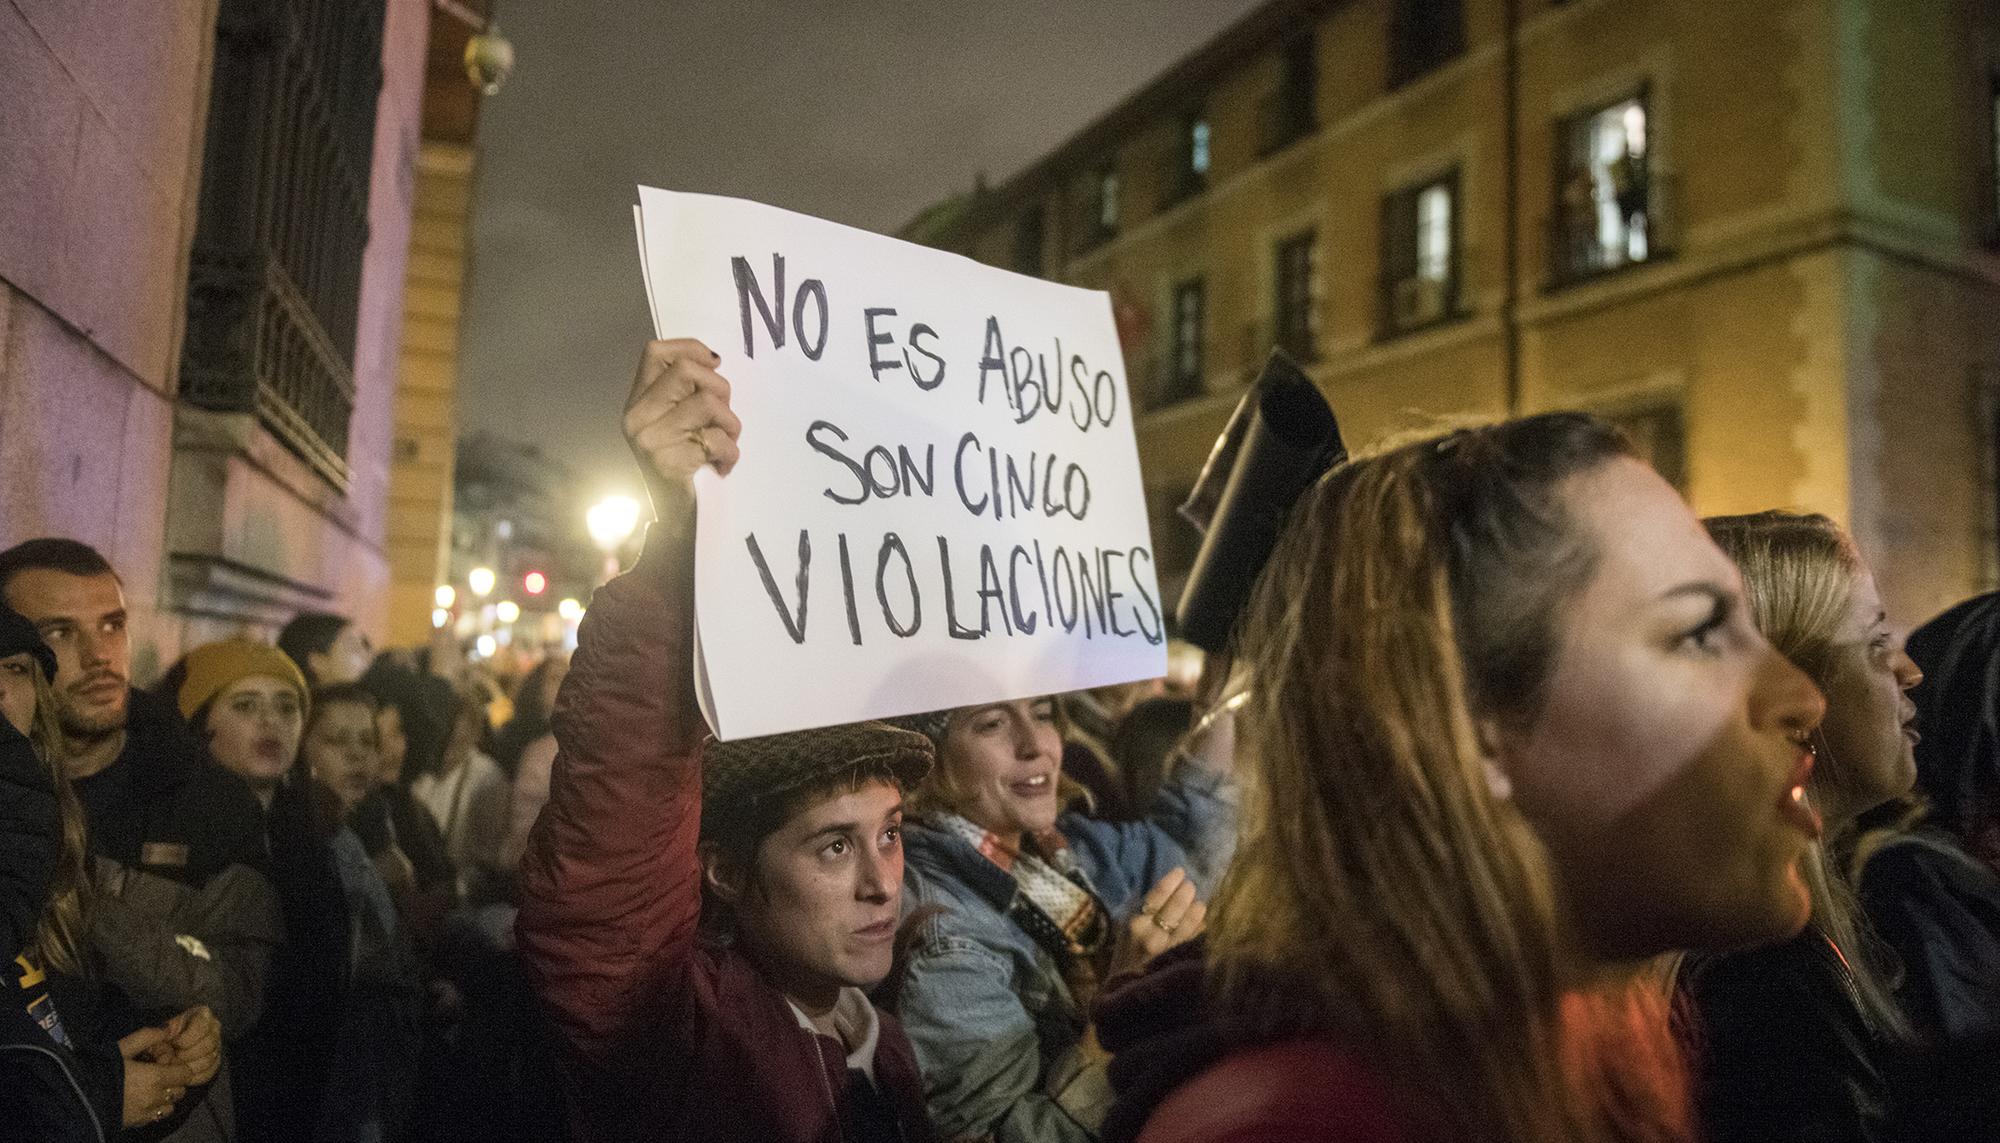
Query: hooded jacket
(1958, 707)
(668, 1037)
(47, 1092)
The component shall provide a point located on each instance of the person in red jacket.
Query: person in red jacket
(699, 918)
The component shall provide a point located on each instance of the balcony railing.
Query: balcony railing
(1634, 224)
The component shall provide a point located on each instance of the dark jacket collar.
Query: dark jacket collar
(1958, 703)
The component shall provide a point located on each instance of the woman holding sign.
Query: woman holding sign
(1025, 907)
(1514, 733)
(702, 919)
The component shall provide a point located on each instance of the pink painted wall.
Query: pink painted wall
(99, 166)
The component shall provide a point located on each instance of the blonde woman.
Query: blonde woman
(1793, 1037)
(1026, 905)
(1511, 733)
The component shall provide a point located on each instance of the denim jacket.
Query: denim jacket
(995, 1027)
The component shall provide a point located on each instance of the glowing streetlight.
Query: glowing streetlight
(570, 609)
(486, 645)
(481, 581)
(535, 583)
(612, 521)
(446, 595)
(508, 611)
(439, 618)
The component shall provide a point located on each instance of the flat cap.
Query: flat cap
(737, 773)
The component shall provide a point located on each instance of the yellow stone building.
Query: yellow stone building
(420, 476)
(1761, 235)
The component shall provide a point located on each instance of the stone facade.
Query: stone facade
(214, 525)
(1804, 329)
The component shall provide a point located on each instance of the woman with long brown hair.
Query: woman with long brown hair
(1510, 734)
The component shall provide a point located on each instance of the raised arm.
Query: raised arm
(610, 884)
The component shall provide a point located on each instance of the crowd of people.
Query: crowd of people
(1527, 807)
(268, 897)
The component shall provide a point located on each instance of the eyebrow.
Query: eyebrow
(1714, 591)
(838, 828)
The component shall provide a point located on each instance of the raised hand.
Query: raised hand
(678, 419)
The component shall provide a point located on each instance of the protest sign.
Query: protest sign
(939, 500)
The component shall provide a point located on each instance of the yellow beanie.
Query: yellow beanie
(213, 667)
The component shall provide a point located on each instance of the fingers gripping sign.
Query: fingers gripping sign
(677, 418)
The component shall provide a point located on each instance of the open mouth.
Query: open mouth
(1793, 805)
(1033, 787)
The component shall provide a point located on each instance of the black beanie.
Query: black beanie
(18, 635)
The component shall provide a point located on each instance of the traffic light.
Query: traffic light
(535, 582)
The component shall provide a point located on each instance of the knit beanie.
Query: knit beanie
(213, 667)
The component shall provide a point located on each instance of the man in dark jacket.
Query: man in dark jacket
(184, 914)
(763, 1033)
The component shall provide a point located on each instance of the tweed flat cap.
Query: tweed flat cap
(734, 773)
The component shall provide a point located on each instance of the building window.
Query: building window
(1100, 208)
(1293, 110)
(1420, 254)
(1187, 173)
(1028, 238)
(1605, 211)
(274, 277)
(1423, 34)
(1660, 437)
(1184, 370)
(1293, 328)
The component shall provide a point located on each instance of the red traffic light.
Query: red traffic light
(535, 582)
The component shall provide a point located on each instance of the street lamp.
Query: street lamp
(481, 581)
(445, 596)
(508, 611)
(570, 609)
(612, 521)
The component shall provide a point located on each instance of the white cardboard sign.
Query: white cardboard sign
(939, 500)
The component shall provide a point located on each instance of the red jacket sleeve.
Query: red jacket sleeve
(610, 885)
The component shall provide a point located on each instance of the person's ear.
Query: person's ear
(723, 875)
(1492, 754)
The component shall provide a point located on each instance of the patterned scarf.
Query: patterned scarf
(1053, 901)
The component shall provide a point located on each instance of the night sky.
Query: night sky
(863, 113)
